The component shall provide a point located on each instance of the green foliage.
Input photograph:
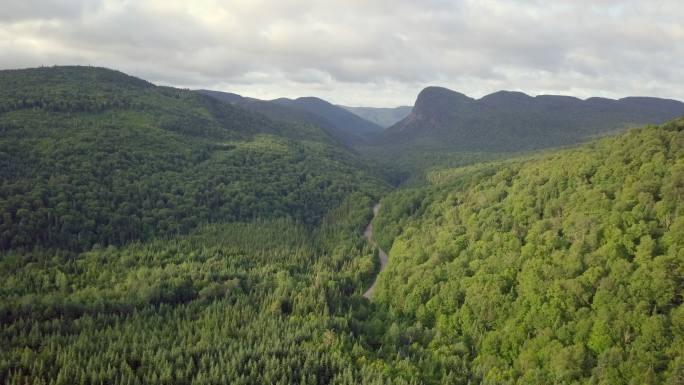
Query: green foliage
(447, 129)
(407, 165)
(234, 303)
(157, 236)
(152, 235)
(341, 124)
(91, 156)
(563, 269)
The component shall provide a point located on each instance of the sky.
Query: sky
(377, 53)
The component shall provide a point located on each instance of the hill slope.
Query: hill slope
(273, 111)
(563, 269)
(93, 156)
(107, 259)
(514, 121)
(153, 236)
(338, 122)
(349, 126)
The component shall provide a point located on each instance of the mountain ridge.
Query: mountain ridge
(513, 120)
(344, 125)
(345, 122)
(116, 159)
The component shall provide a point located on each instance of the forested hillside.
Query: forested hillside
(153, 235)
(563, 269)
(348, 126)
(341, 124)
(91, 156)
(267, 302)
(514, 121)
(274, 111)
(449, 129)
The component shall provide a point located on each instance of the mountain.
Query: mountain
(153, 235)
(273, 111)
(514, 121)
(91, 156)
(347, 125)
(341, 124)
(562, 268)
(227, 97)
(383, 117)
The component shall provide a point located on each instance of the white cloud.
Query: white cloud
(361, 52)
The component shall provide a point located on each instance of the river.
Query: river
(368, 233)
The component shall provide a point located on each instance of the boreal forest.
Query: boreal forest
(160, 235)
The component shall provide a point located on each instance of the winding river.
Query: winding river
(368, 233)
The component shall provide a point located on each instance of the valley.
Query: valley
(382, 255)
(159, 235)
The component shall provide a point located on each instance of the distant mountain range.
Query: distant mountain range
(451, 121)
(337, 121)
(383, 117)
(514, 121)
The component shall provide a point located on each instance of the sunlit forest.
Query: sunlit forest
(155, 235)
(565, 268)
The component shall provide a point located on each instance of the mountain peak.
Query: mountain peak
(515, 121)
(432, 99)
(431, 92)
(311, 99)
(342, 123)
(85, 76)
(314, 102)
(227, 97)
(506, 99)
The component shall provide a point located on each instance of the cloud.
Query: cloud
(361, 52)
(22, 10)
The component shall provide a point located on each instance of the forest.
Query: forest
(154, 235)
(562, 268)
(95, 157)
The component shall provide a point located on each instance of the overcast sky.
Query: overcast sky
(374, 53)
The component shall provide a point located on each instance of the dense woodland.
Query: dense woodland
(448, 129)
(506, 121)
(564, 269)
(153, 235)
(242, 303)
(345, 126)
(94, 157)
